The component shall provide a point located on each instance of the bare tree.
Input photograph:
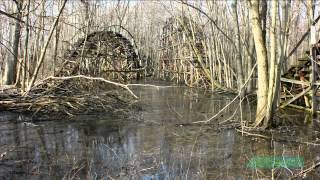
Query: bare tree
(262, 61)
(11, 62)
(44, 49)
(238, 47)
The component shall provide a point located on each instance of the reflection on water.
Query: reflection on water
(96, 147)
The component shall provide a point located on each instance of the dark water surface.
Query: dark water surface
(160, 145)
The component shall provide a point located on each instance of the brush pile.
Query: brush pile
(52, 99)
(102, 54)
(70, 94)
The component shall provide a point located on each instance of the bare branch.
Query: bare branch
(10, 16)
(212, 20)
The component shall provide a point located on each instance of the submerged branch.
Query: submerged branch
(232, 101)
(309, 169)
(273, 139)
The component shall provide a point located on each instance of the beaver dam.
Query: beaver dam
(106, 54)
(157, 90)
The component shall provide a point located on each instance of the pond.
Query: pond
(161, 144)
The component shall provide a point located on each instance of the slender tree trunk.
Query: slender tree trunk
(284, 31)
(55, 53)
(11, 64)
(250, 60)
(26, 42)
(310, 7)
(261, 51)
(250, 51)
(56, 44)
(42, 24)
(264, 11)
(238, 47)
(44, 49)
(273, 64)
(36, 44)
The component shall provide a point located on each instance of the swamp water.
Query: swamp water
(161, 144)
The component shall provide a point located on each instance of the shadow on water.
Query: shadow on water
(159, 147)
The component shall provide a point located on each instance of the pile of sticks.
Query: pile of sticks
(82, 85)
(102, 54)
(57, 97)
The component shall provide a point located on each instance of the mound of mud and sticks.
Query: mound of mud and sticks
(81, 85)
(66, 98)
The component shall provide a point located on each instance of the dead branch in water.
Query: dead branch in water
(309, 169)
(273, 139)
(151, 85)
(231, 102)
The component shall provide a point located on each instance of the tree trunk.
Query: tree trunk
(42, 24)
(26, 42)
(55, 53)
(261, 51)
(11, 64)
(310, 8)
(56, 45)
(284, 32)
(239, 68)
(264, 10)
(273, 69)
(250, 60)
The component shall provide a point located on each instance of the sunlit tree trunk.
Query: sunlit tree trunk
(262, 64)
(273, 69)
